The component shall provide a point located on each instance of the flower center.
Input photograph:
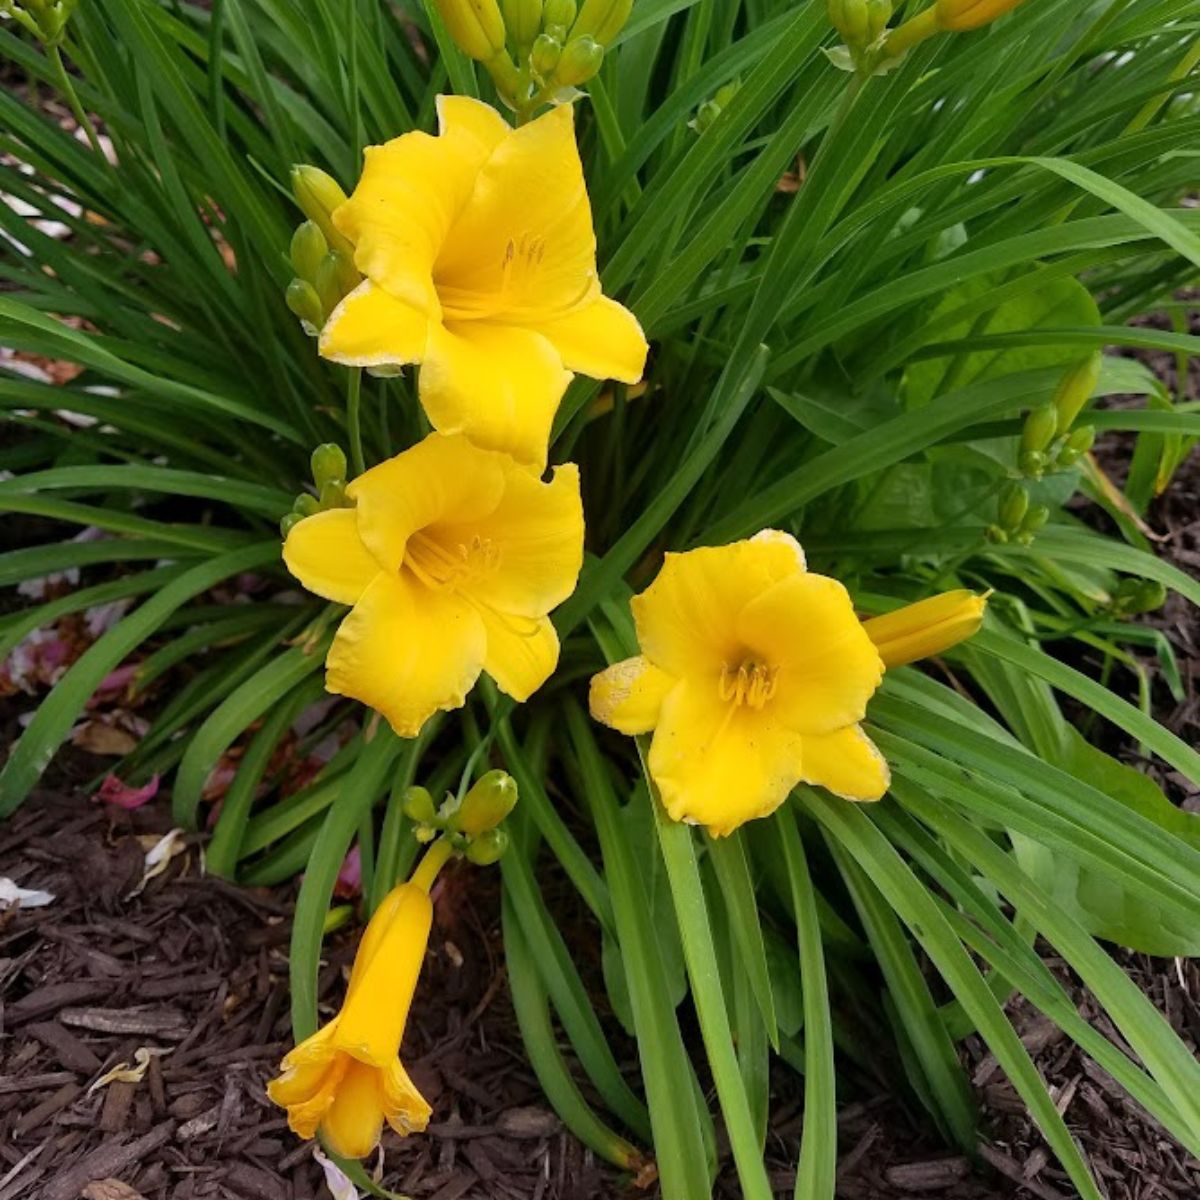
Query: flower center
(438, 565)
(750, 682)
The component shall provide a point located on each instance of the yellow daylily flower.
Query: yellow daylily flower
(754, 676)
(926, 628)
(479, 260)
(452, 557)
(347, 1079)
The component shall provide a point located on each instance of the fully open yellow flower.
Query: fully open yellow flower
(480, 263)
(452, 557)
(347, 1079)
(754, 676)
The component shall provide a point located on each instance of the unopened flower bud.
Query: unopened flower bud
(289, 522)
(305, 505)
(335, 277)
(559, 12)
(1076, 390)
(303, 300)
(879, 13)
(307, 249)
(959, 15)
(601, 20)
(1014, 503)
(1136, 596)
(1040, 427)
(926, 628)
(418, 806)
(1034, 520)
(522, 19)
(487, 848)
(476, 26)
(1032, 463)
(996, 535)
(851, 19)
(487, 804)
(319, 195)
(1078, 444)
(580, 60)
(544, 55)
(333, 494)
(328, 462)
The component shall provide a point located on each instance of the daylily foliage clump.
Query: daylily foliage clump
(690, 419)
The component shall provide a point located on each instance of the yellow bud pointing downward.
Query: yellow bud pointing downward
(959, 15)
(926, 628)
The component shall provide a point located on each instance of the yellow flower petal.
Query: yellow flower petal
(825, 666)
(926, 628)
(498, 385)
(523, 244)
(720, 765)
(846, 762)
(687, 619)
(628, 696)
(371, 328)
(411, 192)
(327, 555)
(404, 1108)
(522, 652)
(407, 651)
(601, 339)
(536, 531)
(440, 479)
(464, 117)
(354, 1120)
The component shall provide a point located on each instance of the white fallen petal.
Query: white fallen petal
(159, 853)
(336, 1180)
(22, 897)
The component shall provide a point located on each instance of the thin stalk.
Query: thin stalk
(353, 421)
(72, 98)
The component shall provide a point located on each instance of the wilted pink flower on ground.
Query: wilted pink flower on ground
(113, 791)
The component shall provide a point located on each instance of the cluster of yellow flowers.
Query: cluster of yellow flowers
(472, 255)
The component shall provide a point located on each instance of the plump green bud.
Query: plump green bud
(487, 804)
(851, 18)
(996, 535)
(544, 56)
(328, 462)
(559, 12)
(1078, 444)
(487, 848)
(1135, 596)
(303, 300)
(477, 26)
(523, 19)
(306, 505)
(601, 20)
(1076, 390)
(1040, 427)
(1032, 463)
(289, 522)
(1035, 519)
(307, 249)
(418, 806)
(580, 60)
(1014, 503)
(332, 281)
(319, 195)
(333, 494)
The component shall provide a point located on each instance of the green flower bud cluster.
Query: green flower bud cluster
(329, 481)
(535, 50)
(860, 23)
(1016, 519)
(471, 822)
(322, 258)
(46, 20)
(1136, 596)
(1048, 439)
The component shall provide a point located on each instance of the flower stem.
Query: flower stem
(435, 859)
(353, 424)
(68, 90)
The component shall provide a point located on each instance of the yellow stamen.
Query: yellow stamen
(752, 683)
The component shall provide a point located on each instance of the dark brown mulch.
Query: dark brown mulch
(196, 969)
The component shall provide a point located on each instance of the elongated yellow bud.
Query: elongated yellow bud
(960, 15)
(476, 26)
(601, 20)
(926, 628)
(1076, 390)
(319, 194)
(523, 20)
